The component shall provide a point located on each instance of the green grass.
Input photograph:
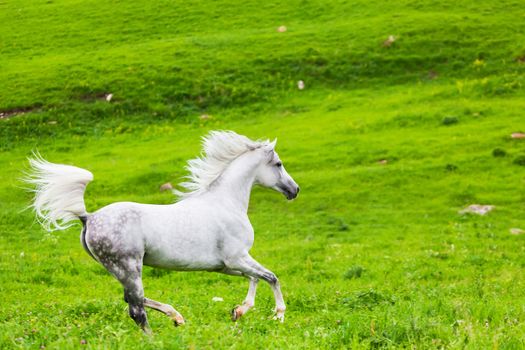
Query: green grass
(371, 255)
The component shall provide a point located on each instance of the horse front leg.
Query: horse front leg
(248, 302)
(250, 267)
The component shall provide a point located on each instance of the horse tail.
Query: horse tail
(59, 192)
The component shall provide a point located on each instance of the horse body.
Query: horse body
(208, 229)
(188, 235)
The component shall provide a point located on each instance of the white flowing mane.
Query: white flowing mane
(219, 149)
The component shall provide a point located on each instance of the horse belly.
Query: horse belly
(182, 256)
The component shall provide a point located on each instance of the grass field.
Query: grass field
(388, 143)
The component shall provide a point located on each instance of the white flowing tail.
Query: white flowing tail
(59, 192)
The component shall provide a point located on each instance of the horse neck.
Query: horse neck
(235, 184)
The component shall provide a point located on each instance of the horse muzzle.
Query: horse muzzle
(290, 193)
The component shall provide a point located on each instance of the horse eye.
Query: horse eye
(279, 164)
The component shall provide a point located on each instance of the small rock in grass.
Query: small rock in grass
(478, 209)
(498, 152)
(205, 117)
(165, 187)
(517, 135)
(282, 29)
(83, 341)
(108, 97)
(217, 299)
(383, 161)
(516, 231)
(520, 160)
(389, 41)
(300, 85)
(450, 120)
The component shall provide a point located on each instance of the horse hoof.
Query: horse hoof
(178, 320)
(279, 317)
(236, 313)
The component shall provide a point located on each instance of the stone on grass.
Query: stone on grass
(165, 187)
(516, 231)
(478, 209)
(217, 299)
(282, 29)
(517, 135)
(389, 41)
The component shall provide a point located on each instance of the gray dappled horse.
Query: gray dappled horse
(207, 229)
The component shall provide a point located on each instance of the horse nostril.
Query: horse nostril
(297, 189)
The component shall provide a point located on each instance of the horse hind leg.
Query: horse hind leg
(124, 263)
(166, 309)
(134, 296)
(128, 271)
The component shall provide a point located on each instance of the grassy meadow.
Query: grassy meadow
(388, 140)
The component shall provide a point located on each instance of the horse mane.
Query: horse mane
(219, 149)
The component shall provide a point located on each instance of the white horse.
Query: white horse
(207, 229)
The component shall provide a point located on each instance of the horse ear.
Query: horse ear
(269, 149)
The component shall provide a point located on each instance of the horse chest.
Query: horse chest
(239, 232)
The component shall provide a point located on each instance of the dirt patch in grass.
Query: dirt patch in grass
(9, 113)
(94, 96)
